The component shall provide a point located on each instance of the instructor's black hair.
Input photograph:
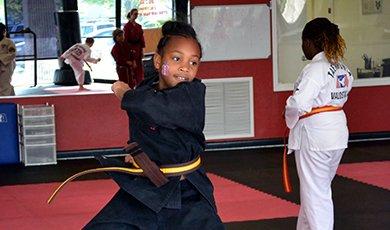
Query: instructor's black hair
(176, 28)
(326, 37)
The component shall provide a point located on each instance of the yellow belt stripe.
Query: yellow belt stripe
(183, 168)
(165, 170)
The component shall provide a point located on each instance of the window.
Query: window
(23, 73)
(97, 20)
(2, 12)
(38, 16)
(151, 13)
(99, 27)
(85, 29)
(364, 24)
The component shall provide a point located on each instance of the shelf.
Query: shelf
(36, 126)
(37, 138)
(37, 116)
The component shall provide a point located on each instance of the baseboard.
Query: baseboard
(91, 153)
(278, 142)
(219, 146)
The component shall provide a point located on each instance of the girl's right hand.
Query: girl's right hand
(120, 88)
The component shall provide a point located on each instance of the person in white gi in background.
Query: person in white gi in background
(76, 55)
(319, 140)
(7, 62)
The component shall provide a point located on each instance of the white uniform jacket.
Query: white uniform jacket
(79, 52)
(319, 84)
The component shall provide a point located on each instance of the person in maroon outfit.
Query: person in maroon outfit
(124, 58)
(134, 36)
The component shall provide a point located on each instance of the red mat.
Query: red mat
(373, 173)
(237, 202)
(24, 206)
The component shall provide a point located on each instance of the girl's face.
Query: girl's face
(179, 63)
(134, 15)
(120, 37)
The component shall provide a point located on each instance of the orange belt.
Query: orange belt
(286, 178)
(327, 108)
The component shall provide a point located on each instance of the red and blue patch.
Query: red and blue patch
(342, 81)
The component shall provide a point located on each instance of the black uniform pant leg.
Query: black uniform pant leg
(195, 213)
(124, 212)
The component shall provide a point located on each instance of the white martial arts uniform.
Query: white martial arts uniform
(319, 140)
(75, 57)
(7, 66)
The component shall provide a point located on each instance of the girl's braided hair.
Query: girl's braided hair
(176, 28)
(326, 37)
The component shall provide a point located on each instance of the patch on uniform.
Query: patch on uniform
(342, 81)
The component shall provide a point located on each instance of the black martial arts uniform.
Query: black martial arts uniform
(168, 125)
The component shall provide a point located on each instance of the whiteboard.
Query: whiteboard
(233, 32)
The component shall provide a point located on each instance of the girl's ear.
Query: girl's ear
(157, 60)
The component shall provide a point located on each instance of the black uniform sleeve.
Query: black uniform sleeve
(180, 107)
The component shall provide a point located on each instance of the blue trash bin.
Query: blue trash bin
(9, 141)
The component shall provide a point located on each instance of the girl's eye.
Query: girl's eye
(176, 58)
(194, 63)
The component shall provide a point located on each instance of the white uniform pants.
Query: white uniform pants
(78, 70)
(316, 170)
(6, 89)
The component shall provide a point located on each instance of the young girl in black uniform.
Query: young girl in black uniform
(167, 116)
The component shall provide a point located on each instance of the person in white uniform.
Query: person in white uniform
(7, 62)
(318, 126)
(76, 55)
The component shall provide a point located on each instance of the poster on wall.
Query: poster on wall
(151, 13)
(233, 32)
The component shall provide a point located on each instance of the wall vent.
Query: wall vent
(229, 108)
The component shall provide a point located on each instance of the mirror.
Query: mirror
(364, 25)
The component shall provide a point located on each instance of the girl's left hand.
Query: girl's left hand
(129, 159)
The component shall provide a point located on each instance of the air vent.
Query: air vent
(229, 108)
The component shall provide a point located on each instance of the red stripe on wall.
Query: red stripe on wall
(96, 121)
